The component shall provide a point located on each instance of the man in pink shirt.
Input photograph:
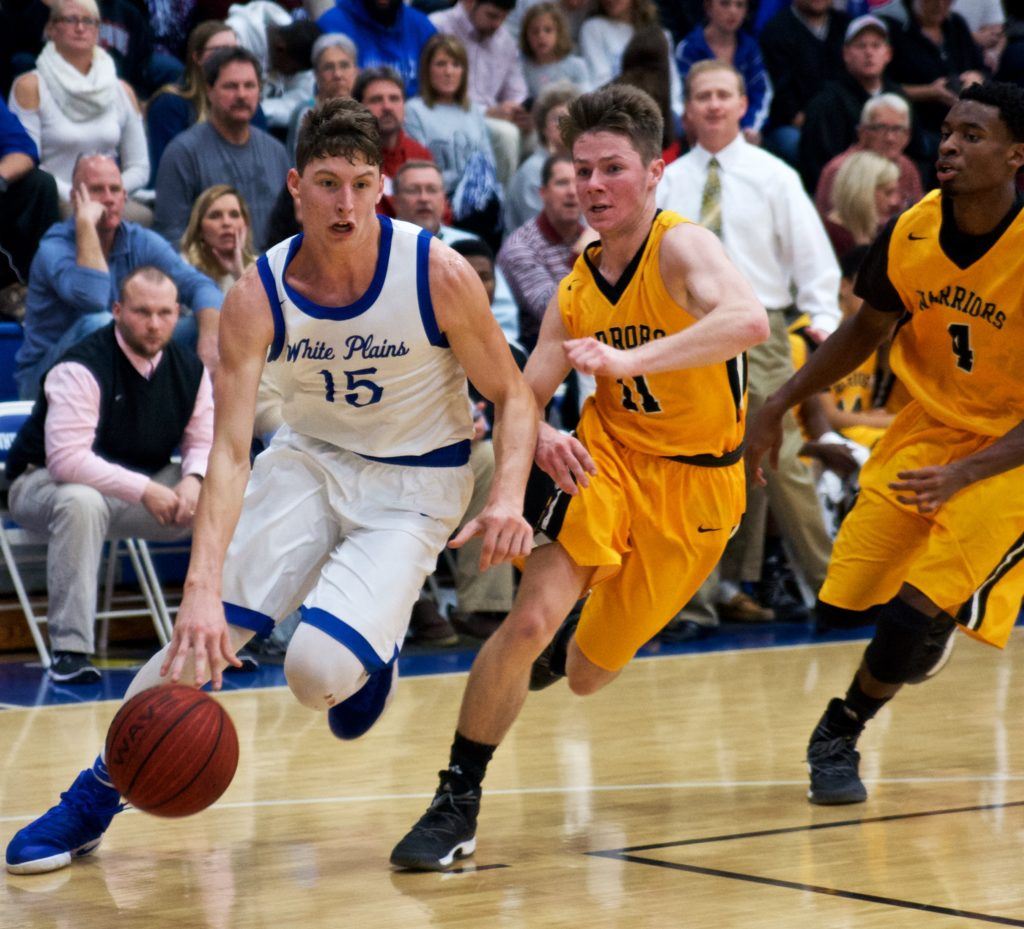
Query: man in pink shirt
(93, 461)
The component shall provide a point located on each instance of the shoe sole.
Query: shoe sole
(837, 798)
(443, 642)
(410, 863)
(79, 677)
(53, 862)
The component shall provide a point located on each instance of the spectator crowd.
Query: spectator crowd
(141, 134)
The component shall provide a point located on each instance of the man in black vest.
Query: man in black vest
(93, 462)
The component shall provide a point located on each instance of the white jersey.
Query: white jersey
(376, 377)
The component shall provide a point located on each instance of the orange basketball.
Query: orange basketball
(172, 750)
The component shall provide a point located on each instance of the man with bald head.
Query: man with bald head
(93, 461)
(77, 273)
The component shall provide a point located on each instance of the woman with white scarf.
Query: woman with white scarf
(74, 103)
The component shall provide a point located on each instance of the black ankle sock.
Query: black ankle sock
(468, 762)
(859, 707)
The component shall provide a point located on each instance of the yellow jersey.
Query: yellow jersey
(960, 343)
(687, 412)
(854, 392)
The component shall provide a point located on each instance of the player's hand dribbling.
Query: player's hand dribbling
(592, 357)
(506, 535)
(764, 437)
(564, 459)
(200, 630)
(928, 488)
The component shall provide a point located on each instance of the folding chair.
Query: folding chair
(14, 539)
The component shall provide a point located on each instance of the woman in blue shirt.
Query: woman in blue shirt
(724, 39)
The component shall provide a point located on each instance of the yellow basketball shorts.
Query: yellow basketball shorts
(652, 528)
(967, 557)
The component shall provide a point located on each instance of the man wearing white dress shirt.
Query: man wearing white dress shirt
(772, 233)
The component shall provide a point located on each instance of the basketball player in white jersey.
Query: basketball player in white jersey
(372, 327)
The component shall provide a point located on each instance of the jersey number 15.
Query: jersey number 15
(363, 391)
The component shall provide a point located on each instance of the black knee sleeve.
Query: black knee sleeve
(828, 617)
(906, 644)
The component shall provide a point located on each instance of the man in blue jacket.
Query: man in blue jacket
(78, 271)
(386, 32)
(28, 199)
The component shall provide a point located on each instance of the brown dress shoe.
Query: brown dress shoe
(478, 625)
(428, 627)
(744, 609)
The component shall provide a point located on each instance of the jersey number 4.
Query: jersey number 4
(639, 390)
(961, 336)
(364, 392)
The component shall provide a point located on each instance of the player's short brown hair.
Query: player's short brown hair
(338, 128)
(617, 108)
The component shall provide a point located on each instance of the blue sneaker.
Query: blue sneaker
(355, 716)
(72, 828)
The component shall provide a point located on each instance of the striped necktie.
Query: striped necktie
(711, 200)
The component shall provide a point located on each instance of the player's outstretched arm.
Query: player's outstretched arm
(698, 274)
(465, 317)
(562, 457)
(837, 356)
(200, 630)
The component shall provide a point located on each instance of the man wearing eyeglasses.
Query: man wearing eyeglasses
(833, 114)
(419, 198)
(884, 128)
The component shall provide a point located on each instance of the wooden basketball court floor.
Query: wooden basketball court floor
(675, 798)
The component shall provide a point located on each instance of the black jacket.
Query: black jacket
(798, 62)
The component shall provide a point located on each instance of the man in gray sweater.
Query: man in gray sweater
(224, 150)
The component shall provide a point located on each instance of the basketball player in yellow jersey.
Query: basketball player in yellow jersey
(937, 536)
(652, 486)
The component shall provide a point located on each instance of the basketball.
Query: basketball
(172, 750)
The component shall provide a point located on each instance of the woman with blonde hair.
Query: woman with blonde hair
(73, 102)
(865, 196)
(442, 117)
(218, 238)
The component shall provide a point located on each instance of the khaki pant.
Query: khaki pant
(790, 492)
(490, 591)
(77, 520)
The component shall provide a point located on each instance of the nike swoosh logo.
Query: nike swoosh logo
(916, 238)
(705, 529)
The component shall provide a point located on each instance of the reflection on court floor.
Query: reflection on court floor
(675, 798)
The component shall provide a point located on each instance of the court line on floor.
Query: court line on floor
(812, 888)
(587, 789)
(627, 854)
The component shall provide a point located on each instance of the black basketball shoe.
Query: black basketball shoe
(833, 761)
(549, 665)
(446, 831)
